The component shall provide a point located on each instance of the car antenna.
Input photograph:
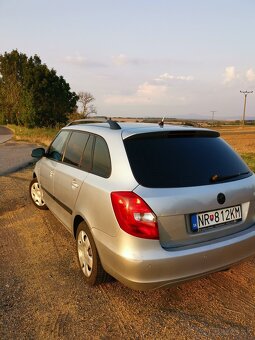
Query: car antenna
(161, 123)
(113, 124)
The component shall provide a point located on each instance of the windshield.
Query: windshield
(175, 160)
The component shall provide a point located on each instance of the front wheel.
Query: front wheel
(36, 195)
(88, 258)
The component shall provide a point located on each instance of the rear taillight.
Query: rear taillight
(134, 215)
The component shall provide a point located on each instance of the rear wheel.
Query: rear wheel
(89, 260)
(36, 195)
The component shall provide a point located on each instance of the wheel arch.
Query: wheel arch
(100, 275)
(77, 221)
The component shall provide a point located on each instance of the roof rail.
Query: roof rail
(112, 123)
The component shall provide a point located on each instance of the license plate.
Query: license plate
(216, 217)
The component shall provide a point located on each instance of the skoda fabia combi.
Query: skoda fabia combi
(148, 205)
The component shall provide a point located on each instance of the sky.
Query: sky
(143, 58)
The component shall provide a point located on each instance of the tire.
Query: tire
(88, 258)
(36, 195)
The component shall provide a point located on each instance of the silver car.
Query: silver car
(149, 205)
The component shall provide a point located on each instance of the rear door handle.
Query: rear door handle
(74, 184)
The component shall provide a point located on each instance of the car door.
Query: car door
(69, 177)
(48, 167)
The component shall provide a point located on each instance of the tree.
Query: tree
(11, 70)
(31, 94)
(85, 98)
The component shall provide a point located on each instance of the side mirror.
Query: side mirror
(38, 153)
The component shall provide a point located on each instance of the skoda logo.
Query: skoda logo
(221, 198)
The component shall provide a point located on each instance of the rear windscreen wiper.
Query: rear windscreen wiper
(219, 178)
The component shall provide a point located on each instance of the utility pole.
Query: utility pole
(213, 112)
(244, 106)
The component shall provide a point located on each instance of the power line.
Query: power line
(244, 106)
(213, 112)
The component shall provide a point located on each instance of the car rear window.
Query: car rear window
(164, 160)
(101, 162)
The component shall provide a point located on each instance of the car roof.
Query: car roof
(127, 129)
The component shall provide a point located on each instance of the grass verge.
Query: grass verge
(42, 136)
(249, 159)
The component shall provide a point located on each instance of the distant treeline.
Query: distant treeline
(31, 94)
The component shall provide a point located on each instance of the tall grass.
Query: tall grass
(42, 136)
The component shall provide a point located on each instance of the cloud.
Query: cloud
(145, 93)
(250, 75)
(167, 76)
(122, 59)
(157, 91)
(148, 90)
(78, 60)
(229, 74)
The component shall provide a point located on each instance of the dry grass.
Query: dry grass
(42, 136)
(242, 139)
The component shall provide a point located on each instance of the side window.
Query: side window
(56, 149)
(101, 162)
(86, 163)
(75, 147)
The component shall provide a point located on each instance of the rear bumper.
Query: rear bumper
(144, 264)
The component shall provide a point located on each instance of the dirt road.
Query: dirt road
(43, 295)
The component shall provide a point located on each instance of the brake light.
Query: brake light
(134, 215)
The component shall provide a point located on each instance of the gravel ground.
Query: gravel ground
(15, 156)
(43, 295)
